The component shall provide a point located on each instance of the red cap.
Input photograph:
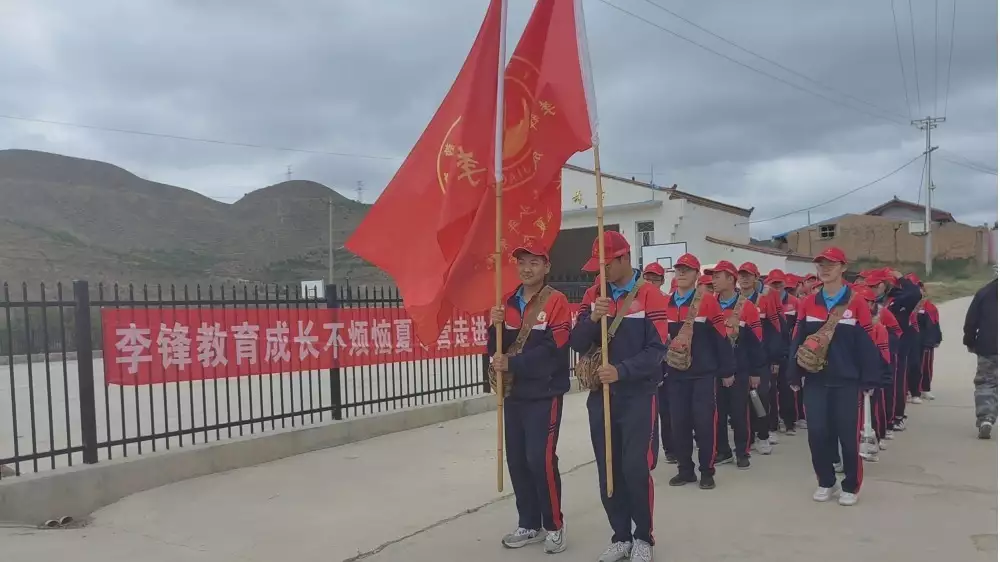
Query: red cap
(615, 246)
(705, 280)
(832, 253)
(749, 267)
(792, 279)
(776, 276)
(723, 266)
(865, 292)
(688, 260)
(877, 277)
(531, 249)
(655, 269)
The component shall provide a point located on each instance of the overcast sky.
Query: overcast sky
(365, 76)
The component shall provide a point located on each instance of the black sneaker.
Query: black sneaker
(743, 463)
(724, 459)
(985, 429)
(682, 479)
(671, 459)
(707, 482)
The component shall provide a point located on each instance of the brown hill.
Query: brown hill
(64, 218)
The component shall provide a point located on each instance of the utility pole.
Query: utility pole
(361, 191)
(288, 173)
(928, 124)
(329, 256)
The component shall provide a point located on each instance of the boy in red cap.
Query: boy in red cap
(699, 355)
(654, 274)
(635, 353)
(836, 356)
(929, 325)
(744, 334)
(768, 306)
(706, 282)
(784, 401)
(901, 297)
(880, 335)
(536, 320)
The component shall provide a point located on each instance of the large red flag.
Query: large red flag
(548, 117)
(455, 151)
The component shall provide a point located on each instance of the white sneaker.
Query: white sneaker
(555, 541)
(909, 399)
(882, 445)
(642, 551)
(927, 396)
(522, 537)
(870, 456)
(889, 435)
(772, 439)
(847, 498)
(763, 446)
(616, 552)
(824, 494)
(801, 424)
(838, 468)
(916, 400)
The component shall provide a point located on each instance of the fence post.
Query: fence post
(486, 374)
(85, 371)
(336, 398)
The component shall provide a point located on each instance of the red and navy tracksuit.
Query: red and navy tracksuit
(833, 396)
(774, 349)
(785, 402)
(733, 401)
(886, 392)
(636, 352)
(929, 324)
(692, 392)
(901, 301)
(533, 411)
(883, 341)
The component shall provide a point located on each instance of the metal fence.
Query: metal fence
(57, 410)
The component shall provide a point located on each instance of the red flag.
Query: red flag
(547, 119)
(454, 153)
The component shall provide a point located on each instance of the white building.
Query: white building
(653, 216)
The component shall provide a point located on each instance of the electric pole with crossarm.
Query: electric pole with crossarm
(928, 124)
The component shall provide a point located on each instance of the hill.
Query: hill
(64, 218)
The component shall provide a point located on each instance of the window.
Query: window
(644, 233)
(827, 231)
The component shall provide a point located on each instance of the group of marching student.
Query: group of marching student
(723, 348)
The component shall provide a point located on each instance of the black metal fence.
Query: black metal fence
(62, 412)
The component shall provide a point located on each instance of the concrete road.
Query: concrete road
(429, 494)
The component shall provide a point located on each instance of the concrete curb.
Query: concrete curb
(80, 490)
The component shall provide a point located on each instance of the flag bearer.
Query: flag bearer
(538, 317)
(929, 328)
(699, 355)
(654, 275)
(769, 309)
(901, 297)
(743, 331)
(633, 373)
(785, 401)
(834, 353)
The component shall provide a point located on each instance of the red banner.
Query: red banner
(148, 346)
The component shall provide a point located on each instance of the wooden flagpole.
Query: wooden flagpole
(497, 245)
(604, 321)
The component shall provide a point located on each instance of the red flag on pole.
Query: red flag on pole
(548, 117)
(453, 156)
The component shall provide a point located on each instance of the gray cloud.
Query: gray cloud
(365, 76)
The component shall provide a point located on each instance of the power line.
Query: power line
(899, 51)
(916, 73)
(971, 161)
(194, 139)
(841, 196)
(771, 61)
(935, 57)
(970, 166)
(744, 65)
(920, 186)
(951, 50)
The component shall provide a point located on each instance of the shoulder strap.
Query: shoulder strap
(623, 309)
(831, 321)
(693, 308)
(536, 305)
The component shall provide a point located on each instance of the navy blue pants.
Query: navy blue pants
(787, 403)
(663, 397)
(900, 388)
(914, 371)
(833, 417)
(531, 432)
(761, 425)
(634, 452)
(733, 403)
(693, 408)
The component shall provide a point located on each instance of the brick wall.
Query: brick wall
(888, 240)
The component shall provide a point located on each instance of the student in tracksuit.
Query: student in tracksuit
(886, 392)
(769, 309)
(534, 408)
(929, 327)
(692, 391)
(900, 296)
(633, 373)
(733, 393)
(784, 401)
(833, 396)
(654, 274)
(880, 335)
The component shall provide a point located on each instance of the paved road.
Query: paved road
(429, 494)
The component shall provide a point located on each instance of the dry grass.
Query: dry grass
(948, 289)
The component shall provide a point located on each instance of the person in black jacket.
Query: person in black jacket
(534, 407)
(633, 374)
(980, 337)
